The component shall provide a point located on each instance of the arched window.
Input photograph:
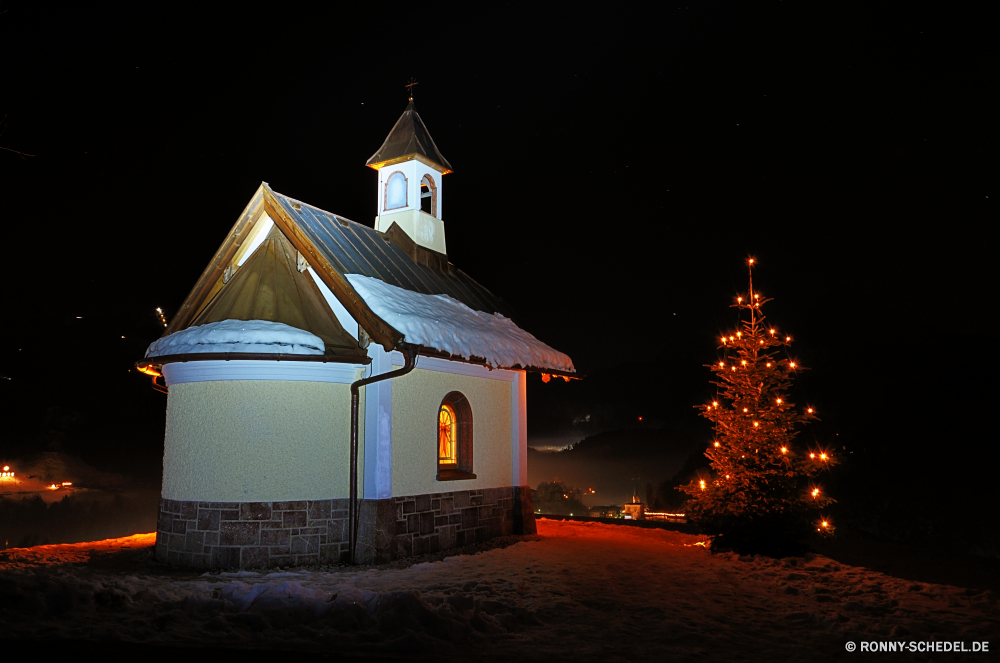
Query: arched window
(454, 438)
(428, 196)
(395, 191)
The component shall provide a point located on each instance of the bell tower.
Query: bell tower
(410, 169)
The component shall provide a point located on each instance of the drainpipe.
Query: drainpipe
(411, 361)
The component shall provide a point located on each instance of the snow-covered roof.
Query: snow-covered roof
(448, 325)
(243, 336)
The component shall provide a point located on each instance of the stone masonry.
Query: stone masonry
(252, 534)
(429, 523)
(308, 532)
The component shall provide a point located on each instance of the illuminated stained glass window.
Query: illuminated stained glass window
(447, 435)
(454, 438)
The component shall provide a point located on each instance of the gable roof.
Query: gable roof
(409, 138)
(270, 287)
(334, 247)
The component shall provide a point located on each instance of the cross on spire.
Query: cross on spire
(409, 87)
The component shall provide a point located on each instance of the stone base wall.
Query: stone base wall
(429, 523)
(252, 534)
(269, 534)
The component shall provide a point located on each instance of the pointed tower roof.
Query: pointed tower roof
(270, 287)
(409, 139)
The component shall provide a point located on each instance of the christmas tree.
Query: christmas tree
(761, 495)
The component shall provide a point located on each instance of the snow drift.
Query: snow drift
(581, 592)
(446, 324)
(249, 336)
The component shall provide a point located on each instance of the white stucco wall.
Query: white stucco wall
(416, 398)
(258, 440)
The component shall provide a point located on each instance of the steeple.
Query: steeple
(410, 168)
(409, 139)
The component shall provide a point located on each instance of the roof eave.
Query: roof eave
(414, 156)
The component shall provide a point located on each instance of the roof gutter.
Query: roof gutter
(410, 353)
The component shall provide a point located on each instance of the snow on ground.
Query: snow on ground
(446, 324)
(251, 336)
(584, 591)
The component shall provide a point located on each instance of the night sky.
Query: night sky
(613, 171)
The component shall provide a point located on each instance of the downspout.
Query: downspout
(411, 361)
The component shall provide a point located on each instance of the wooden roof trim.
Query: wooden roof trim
(377, 328)
(193, 303)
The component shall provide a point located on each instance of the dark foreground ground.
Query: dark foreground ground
(579, 591)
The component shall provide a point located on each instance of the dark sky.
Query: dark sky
(613, 170)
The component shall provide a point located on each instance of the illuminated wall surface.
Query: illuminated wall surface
(258, 441)
(415, 401)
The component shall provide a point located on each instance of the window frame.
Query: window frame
(432, 190)
(462, 468)
(406, 191)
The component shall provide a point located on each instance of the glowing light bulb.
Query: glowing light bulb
(721, 364)
(755, 424)
(779, 401)
(815, 492)
(744, 362)
(727, 476)
(825, 524)
(772, 331)
(822, 456)
(716, 444)
(739, 299)
(723, 339)
(734, 369)
(756, 296)
(810, 410)
(784, 450)
(744, 409)
(740, 334)
(769, 364)
(812, 455)
(6, 468)
(751, 261)
(715, 403)
(788, 338)
(793, 364)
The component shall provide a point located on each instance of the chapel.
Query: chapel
(338, 392)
